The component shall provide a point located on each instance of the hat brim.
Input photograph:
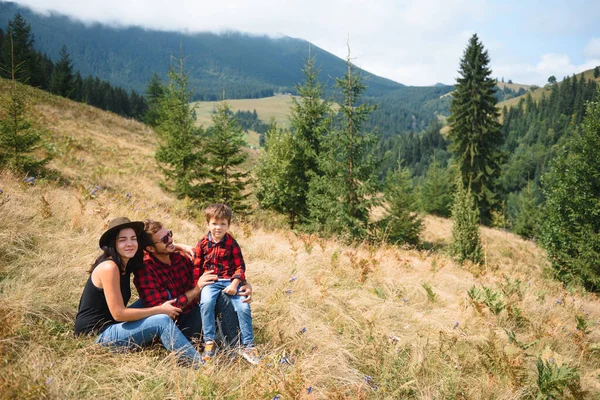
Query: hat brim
(106, 237)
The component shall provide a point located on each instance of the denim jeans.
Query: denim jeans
(190, 323)
(140, 333)
(209, 299)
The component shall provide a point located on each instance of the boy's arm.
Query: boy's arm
(231, 289)
(238, 261)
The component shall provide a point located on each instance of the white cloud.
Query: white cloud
(592, 49)
(416, 42)
(558, 65)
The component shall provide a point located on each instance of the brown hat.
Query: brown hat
(116, 225)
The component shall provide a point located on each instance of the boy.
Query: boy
(219, 253)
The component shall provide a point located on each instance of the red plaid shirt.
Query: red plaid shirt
(225, 258)
(157, 280)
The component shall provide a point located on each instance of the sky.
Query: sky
(414, 42)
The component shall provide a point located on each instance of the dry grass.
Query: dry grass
(275, 107)
(512, 86)
(346, 321)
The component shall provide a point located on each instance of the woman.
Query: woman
(102, 308)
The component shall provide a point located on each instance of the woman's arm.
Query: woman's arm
(108, 275)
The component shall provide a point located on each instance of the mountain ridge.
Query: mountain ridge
(240, 63)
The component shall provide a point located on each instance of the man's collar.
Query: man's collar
(156, 260)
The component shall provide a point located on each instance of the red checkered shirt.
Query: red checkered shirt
(224, 258)
(156, 280)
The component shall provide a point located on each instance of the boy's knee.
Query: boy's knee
(243, 307)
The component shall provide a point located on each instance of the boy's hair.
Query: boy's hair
(218, 211)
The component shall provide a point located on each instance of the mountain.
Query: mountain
(244, 66)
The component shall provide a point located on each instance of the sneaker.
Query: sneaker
(210, 349)
(250, 354)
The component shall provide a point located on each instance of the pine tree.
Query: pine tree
(309, 122)
(596, 72)
(179, 153)
(18, 51)
(570, 222)
(18, 137)
(466, 242)
(475, 133)
(2, 62)
(310, 116)
(62, 81)
(341, 199)
(527, 220)
(154, 93)
(436, 190)
(280, 184)
(223, 150)
(402, 224)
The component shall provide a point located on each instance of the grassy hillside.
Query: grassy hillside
(512, 86)
(275, 107)
(332, 320)
(537, 93)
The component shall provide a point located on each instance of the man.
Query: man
(168, 274)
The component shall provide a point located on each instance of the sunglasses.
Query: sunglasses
(165, 239)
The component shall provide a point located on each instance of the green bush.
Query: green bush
(571, 220)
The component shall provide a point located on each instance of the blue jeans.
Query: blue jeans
(190, 323)
(209, 299)
(139, 333)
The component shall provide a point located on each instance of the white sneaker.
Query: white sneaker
(250, 354)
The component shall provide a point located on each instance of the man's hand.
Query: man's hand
(208, 278)
(246, 290)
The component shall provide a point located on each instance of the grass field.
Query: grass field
(275, 107)
(332, 320)
(513, 86)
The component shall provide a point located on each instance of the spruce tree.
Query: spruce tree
(280, 183)
(401, 224)
(466, 242)
(19, 139)
(571, 216)
(527, 221)
(309, 122)
(341, 199)
(223, 151)
(179, 153)
(3, 63)
(62, 81)
(475, 133)
(436, 190)
(18, 51)
(154, 93)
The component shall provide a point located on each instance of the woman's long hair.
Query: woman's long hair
(110, 252)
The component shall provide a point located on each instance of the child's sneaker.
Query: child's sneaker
(210, 349)
(250, 354)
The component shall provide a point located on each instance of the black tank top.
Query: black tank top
(93, 315)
